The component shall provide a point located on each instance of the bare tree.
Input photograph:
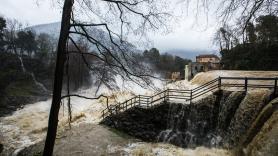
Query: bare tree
(233, 17)
(228, 12)
(10, 33)
(226, 38)
(246, 10)
(120, 19)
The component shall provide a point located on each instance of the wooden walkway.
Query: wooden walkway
(187, 96)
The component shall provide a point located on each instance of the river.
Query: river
(27, 126)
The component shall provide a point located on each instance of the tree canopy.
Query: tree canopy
(2, 27)
(258, 51)
(165, 63)
(26, 42)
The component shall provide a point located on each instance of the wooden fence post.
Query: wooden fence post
(167, 95)
(139, 101)
(164, 95)
(219, 83)
(275, 86)
(245, 84)
(190, 97)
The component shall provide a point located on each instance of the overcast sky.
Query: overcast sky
(184, 35)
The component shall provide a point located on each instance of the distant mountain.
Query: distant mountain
(189, 54)
(53, 29)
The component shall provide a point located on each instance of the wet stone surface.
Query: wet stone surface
(218, 120)
(178, 124)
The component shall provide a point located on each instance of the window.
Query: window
(202, 68)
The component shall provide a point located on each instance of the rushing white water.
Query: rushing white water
(38, 83)
(98, 140)
(28, 125)
(159, 149)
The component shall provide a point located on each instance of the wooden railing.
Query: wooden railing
(187, 96)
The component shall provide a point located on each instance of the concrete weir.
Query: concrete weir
(235, 120)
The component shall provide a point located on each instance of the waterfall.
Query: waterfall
(203, 123)
(28, 125)
(22, 65)
(172, 134)
(228, 105)
(38, 83)
(245, 115)
(32, 75)
(190, 126)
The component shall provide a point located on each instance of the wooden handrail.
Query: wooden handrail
(206, 84)
(188, 95)
(249, 78)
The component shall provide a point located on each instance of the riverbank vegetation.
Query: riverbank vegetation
(165, 63)
(254, 49)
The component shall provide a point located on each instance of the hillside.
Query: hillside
(22, 83)
(52, 29)
(99, 34)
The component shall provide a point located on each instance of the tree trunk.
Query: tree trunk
(58, 79)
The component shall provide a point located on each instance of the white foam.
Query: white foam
(28, 125)
(161, 149)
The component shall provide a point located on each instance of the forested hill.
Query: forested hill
(27, 61)
(21, 85)
(257, 51)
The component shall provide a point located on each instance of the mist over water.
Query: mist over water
(28, 126)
